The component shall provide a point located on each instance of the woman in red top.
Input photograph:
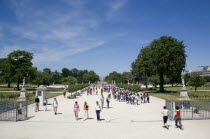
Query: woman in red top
(86, 107)
(177, 117)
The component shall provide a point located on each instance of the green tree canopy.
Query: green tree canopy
(196, 80)
(65, 72)
(90, 76)
(69, 80)
(168, 57)
(19, 64)
(114, 76)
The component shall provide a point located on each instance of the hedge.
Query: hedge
(134, 88)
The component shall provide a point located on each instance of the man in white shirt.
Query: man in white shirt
(55, 105)
(98, 110)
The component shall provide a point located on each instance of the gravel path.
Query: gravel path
(121, 121)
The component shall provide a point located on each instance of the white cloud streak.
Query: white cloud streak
(52, 34)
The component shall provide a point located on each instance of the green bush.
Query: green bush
(9, 94)
(135, 88)
(76, 87)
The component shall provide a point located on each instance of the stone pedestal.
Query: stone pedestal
(184, 94)
(23, 93)
(41, 93)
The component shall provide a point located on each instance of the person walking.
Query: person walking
(64, 93)
(165, 113)
(76, 110)
(177, 117)
(107, 102)
(45, 103)
(147, 98)
(98, 110)
(55, 105)
(86, 108)
(37, 104)
(102, 101)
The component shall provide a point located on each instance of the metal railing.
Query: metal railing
(190, 109)
(13, 110)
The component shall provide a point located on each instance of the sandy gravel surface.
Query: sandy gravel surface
(121, 121)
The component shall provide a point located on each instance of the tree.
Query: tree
(90, 76)
(31, 74)
(142, 67)
(114, 76)
(20, 62)
(42, 78)
(168, 57)
(65, 72)
(69, 80)
(186, 77)
(196, 80)
(127, 77)
(56, 77)
(6, 72)
(47, 70)
(75, 72)
(154, 80)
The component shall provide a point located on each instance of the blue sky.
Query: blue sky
(101, 35)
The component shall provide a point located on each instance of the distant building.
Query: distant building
(203, 70)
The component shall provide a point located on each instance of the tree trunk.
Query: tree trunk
(146, 84)
(161, 82)
(18, 84)
(195, 88)
(172, 83)
(8, 84)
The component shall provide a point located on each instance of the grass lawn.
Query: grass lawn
(174, 92)
(178, 88)
(31, 96)
(31, 89)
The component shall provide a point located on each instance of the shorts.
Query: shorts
(165, 119)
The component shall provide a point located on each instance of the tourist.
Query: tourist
(102, 91)
(165, 113)
(37, 104)
(137, 99)
(64, 93)
(177, 117)
(96, 91)
(147, 98)
(86, 108)
(102, 101)
(107, 102)
(45, 103)
(98, 110)
(55, 105)
(76, 110)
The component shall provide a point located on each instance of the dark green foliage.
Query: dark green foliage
(18, 65)
(114, 76)
(69, 80)
(154, 80)
(75, 87)
(90, 76)
(196, 80)
(163, 57)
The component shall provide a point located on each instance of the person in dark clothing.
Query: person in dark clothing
(147, 98)
(36, 104)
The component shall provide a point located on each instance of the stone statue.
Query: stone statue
(24, 81)
(183, 83)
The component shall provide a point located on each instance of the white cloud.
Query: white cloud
(114, 8)
(52, 35)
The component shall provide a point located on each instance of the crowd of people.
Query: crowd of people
(118, 94)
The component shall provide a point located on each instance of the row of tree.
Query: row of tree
(19, 64)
